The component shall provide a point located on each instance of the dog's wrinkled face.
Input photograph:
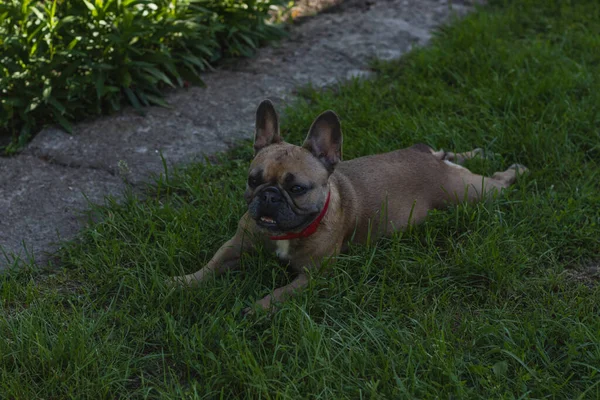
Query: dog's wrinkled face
(286, 189)
(288, 185)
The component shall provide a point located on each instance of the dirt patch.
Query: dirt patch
(588, 275)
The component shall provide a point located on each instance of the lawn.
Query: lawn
(481, 301)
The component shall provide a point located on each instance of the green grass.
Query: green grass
(478, 302)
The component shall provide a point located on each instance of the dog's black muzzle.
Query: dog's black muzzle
(270, 201)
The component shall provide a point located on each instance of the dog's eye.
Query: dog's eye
(252, 181)
(296, 189)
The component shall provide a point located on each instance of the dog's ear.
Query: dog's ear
(324, 139)
(267, 126)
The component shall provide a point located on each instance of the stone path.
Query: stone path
(42, 190)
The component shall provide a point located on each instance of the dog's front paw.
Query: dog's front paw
(247, 312)
(519, 169)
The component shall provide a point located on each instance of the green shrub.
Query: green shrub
(64, 59)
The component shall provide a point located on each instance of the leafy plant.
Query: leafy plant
(64, 59)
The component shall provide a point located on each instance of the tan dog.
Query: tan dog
(306, 205)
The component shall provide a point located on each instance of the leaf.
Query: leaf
(173, 71)
(195, 60)
(38, 13)
(32, 106)
(111, 89)
(56, 104)
(53, 10)
(142, 96)
(89, 5)
(160, 75)
(115, 103)
(125, 78)
(248, 40)
(500, 368)
(141, 64)
(133, 99)
(35, 32)
(47, 91)
(157, 101)
(62, 121)
(205, 50)
(33, 49)
(68, 19)
(72, 44)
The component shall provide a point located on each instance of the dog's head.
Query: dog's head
(287, 184)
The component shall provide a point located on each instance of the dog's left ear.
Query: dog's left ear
(267, 126)
(324, 139)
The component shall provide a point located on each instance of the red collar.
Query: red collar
(309, 230)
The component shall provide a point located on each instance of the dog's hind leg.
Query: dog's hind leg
(463, 185)
(509, 176)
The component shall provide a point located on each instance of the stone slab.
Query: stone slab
(41, 203)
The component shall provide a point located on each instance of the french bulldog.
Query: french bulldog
(306, 205)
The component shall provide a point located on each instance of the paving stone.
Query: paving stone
(41, 203)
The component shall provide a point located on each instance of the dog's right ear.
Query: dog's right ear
(324, 139)
(267, 126)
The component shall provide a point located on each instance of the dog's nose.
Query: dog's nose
(271, 195)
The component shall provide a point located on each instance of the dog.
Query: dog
(306, 205)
